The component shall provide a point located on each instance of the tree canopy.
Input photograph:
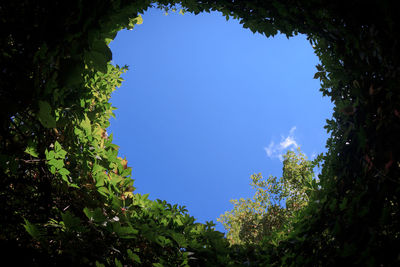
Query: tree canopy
(276, 204)
(67, 199)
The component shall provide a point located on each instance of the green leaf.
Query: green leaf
(86, 125)
(139, 20)
(108, 40)
(126, 172)
(45, 115)
(96, 215)
(73, 185)
(61, 154)
(98, 60)
(179, 238)
(134, 21)
(115, 179)
(65, 178)
(98, 264)
(32, 229)
(104, 191)
(70, 221)
(163, 241)
(64, 171)
(53, 169)
(133, 256)
(100, 179)
(117, 263)
(124, 231)
(56, 163)
(59, 151)
(57, 146)
(99, 55)
(49, 154)
(31, 150)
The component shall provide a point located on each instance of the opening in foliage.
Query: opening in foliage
(216, 104)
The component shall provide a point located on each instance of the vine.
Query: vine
(67, 199)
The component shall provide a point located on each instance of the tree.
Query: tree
(276, 203)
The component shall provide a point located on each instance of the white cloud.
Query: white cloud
(277, 150)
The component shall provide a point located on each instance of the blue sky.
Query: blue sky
(206, 103)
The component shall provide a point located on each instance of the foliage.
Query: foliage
(66, 197)
(276, 203)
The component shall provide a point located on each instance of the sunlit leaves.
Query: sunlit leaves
(55, 161)
(270, 213)
(132, 22)
(31, 150)
(96, 220)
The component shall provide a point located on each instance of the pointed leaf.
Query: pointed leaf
(32, 229)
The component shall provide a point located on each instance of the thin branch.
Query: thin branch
(31, 160)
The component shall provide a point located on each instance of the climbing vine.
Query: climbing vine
(67, 199)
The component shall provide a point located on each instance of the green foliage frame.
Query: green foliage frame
(66, 198)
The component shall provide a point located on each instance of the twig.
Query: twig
(31, 160)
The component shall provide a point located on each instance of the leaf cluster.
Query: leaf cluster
(275, 206)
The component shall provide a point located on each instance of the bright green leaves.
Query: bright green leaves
(99, 175)
(32, 150)
(263, 216)
(45, 115)
(84, 130)
(115, 179)
(73, 78)
(59, 151)
(55, 160)
(87, 127)
(135, 21)
(103, 190)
